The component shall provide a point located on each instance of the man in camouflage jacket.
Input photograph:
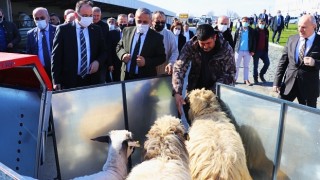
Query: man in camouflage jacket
(212, 61)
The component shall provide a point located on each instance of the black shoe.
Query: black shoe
(255, 80)
(262, 78)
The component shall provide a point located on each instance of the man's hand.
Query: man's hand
(10, 45)
(126, 58)
(57, 87)
(141, 61)
(276, 89)
(308, 61)
(168, 69)
(179, 102)
(94, 67)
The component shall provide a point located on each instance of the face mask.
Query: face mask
(279, 14)
(159, 27)
(111, 27)
(261, 26)
(122, 26)
(176, 32)
(131, 20)
(41, 24)
(85, 21)
(142, 28)
(222, 28)
(245, 24)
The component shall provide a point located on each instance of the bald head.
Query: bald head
(306, 26)
(223, 20)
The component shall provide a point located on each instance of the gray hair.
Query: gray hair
(159, 12)
(96, 9)
(40, 9)
(144, 11)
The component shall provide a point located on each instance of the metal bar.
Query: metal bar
(278, 150)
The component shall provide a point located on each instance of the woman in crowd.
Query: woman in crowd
(177, 30)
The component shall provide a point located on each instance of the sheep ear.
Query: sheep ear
(105, 139)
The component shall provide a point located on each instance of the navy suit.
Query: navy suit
(32, 44)
(114, 38)
(64, 60)
(277, 28)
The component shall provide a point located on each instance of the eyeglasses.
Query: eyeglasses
(40, 18)
(160, 22)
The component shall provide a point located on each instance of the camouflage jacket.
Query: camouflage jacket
(221, 66)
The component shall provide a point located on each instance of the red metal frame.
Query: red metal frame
(12, 60)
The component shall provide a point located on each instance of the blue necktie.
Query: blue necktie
(45, 50)
(134, 56)
(83, 48)
(279, 20)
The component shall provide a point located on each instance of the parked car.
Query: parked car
(293, 20)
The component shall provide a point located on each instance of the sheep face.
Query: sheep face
(201, 101)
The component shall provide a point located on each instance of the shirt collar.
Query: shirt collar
(45, 29)
(310, 38)
(78, 25)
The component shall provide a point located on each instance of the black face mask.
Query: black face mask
(159, 27)
(122, 26)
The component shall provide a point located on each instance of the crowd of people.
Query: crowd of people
(84, 50)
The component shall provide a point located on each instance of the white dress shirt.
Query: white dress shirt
(170, 46)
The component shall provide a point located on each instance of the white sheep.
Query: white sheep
(120, 148)
(166, 156)
(215, 148)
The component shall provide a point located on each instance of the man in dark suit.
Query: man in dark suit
(297, 75)
(9, 35)
(223, 27)
(286, 21)
(187, 33)
(141, 49)
(277, 25)
(35, 42)
(78, 50)
(264, 16)
(96, 14)
(114, 70)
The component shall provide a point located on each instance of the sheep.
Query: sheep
(166, 156)
(215, 148)
(120, 148)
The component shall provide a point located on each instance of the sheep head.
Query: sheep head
(166, 137)
(202, 102)
(119, 139)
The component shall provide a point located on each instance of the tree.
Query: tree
(210, 14)
(232, 14)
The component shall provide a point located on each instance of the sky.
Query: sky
(219, 7)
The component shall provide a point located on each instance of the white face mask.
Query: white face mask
(142, 28)
(222, 28)
(176, 32)
(245, 24)
(261, 26)
(130, 19)
(111, 27)
(41, 24)
(85, 21)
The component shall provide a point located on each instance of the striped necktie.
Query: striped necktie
(83, 48)
(302, 51)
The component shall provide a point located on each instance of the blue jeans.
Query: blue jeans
(263, 55)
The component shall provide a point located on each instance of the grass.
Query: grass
(292, 29)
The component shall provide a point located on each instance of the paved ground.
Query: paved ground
(275, 52)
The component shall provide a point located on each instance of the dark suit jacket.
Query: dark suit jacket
(181, 41)
(64, 59)
(114, 37)
(274, 23)
(12, 34)
(32, 43)
(307, 76)
(191, 34)
(228, 36)
(152, 50)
